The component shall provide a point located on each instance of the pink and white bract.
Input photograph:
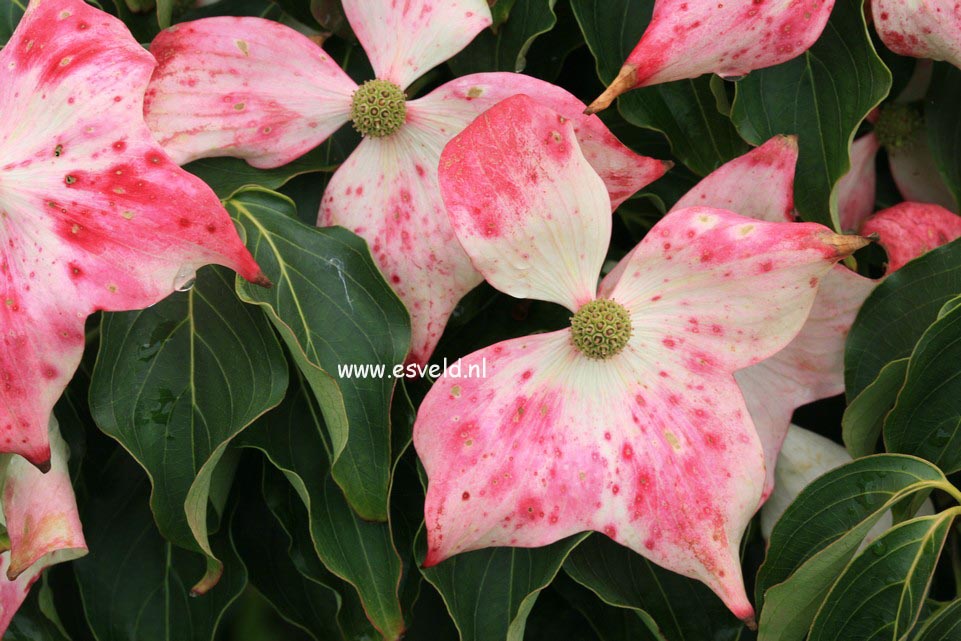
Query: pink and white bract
(257, 90)
(920, 28)
(94, 215)
(41, 518)
(651, 445)
(909, 230)
(760, 184)
(689, 38)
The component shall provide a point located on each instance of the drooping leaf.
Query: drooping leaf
(820, 532)
(174, 383)
(864, 417)
(135, 584)
(925, 420)
(881, 593)
(506, 49)
(899, 311)
(489, 593)
(360, 552)
(673, 607)
(684, 111)
(332, 308)
(609, 623)
(822, 96)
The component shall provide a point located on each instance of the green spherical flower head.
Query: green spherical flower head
(897, 125)
(379, 108)
(601, 328)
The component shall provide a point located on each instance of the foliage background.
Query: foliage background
(211, 428)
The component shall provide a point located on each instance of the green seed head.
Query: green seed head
(601, 328)
(897, 125)
(379, 108)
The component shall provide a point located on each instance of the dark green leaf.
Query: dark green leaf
(898, 312)
(881, 593)
(684, 111)
(609, 623)
(673, 607)
(820, 532)
(490, 592)
(134, 584)
(174, 383)
(10, 13)
(361, 552)
(822, 96)
(506, 50)
(943, 125)
(264, 547)
(864, 417)
(926, 419)
(332, 307)
(943, 625)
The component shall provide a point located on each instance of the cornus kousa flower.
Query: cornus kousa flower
(920, 28)
(255, 89)
(688, 38)
(42, 523)
(630, 422)
(94, 214)
(811, 367)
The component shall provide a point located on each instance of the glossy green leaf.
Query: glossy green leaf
(941, 108)
(489, 593)
(926, 420)
(674, 608)
(820, 532)
(358, 551)
(10, 13)
(822, 96)
(684, 111)
(332, 308)
(506, 49)
(880, 595)
(943, 625)
(135, 585)
(898, 312)
(174, 383)
(165, 12)
(864, 417)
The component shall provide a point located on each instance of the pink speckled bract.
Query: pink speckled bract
(254, 89)
(760, 184)
(40, 514)
(908, 230)
(689, 38)
(653, 447)
(93, 214)
(920, 28)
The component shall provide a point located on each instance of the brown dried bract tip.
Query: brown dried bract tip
(263, 281)
(319, 38)
(751, 624)
(43, 467)
(847, 244)
(624, 82)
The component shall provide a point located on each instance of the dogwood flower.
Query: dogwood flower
(811, 367)
(921, 29)
(258, 90)
(630, 422)
(909, 230)
(42, 522)
(94, 215)
(687, 38)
